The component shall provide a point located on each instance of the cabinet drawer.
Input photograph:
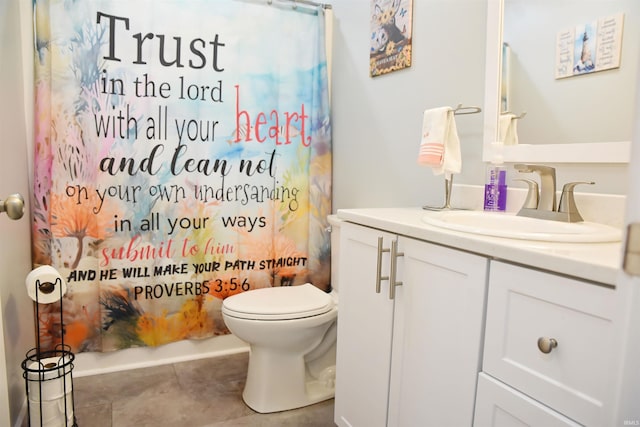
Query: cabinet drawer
(498, 405)
(575, 378)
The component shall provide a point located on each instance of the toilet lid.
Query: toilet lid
(278, 303)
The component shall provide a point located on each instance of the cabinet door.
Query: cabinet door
(365, 320)
(501, 406)
(437, 335)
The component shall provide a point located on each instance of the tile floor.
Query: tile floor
(198, 393)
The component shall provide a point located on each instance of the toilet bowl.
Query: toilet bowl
(291, 332)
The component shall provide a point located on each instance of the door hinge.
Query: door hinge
(631, 263)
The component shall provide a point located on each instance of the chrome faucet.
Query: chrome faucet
(545, 208)
(547, 199)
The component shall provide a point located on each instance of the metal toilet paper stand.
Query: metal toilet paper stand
(48, 374)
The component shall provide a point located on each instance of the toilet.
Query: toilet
(291, 332)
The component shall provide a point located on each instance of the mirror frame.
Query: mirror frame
(594, 152)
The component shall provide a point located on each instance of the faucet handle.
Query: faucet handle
(533, 197)
(568, 203)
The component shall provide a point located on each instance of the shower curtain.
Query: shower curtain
(182, 155)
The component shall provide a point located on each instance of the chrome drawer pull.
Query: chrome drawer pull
(394, 269)
(545, 344)
(379, 276)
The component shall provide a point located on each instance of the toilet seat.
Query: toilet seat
(279, 303)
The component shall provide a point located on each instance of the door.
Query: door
(628, 410)
(16, 309)
(365, 322)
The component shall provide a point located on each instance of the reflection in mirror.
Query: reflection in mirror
(594, 107)
(532, 106)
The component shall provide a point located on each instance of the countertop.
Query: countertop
(596, 262)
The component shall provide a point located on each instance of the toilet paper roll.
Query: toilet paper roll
(45, 285)
(50, 390)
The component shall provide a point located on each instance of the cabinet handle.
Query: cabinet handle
(545, 344)
(394, 269)
(379, 277)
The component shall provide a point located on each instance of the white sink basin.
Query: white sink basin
(508, 225)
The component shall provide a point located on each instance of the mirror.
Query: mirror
(586, 118)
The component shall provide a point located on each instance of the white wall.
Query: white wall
(377, 121)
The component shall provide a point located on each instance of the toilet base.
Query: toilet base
(280, 382)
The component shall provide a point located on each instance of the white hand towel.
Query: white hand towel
(440, 145)
(508, 129)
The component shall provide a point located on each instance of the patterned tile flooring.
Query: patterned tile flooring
(198, 393)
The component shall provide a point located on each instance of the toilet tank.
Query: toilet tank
(334, 222)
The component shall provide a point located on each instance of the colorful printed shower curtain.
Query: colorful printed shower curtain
(182, 155)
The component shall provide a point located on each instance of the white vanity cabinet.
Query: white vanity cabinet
(364, 331)
(412, 360)
(549, 353)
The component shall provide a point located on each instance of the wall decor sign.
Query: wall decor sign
(182, 155)
(589, 47)
(390, 36)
